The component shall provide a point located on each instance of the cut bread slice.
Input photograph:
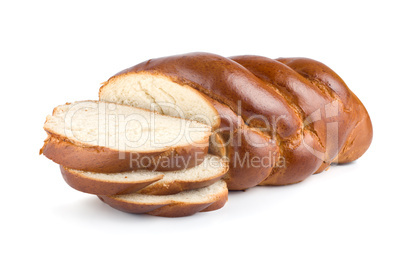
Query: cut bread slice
(109, 183)
(159, 93)
(108, 137)
(208, 172)
(147, 182)
(185, 203)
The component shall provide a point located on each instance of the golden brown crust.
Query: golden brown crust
(252, 156)
(88, 184)
(291, 89)
(304, 96)
(297, 163)
(179, 210)
(249, 165)
(360, 134)
(226, 81)
(169, 208)
(311, 103)
(212, 79)
(359, 139)
(105, 160)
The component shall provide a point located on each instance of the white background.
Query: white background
(53, 52)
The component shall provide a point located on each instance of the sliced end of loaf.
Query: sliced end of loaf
(159, 93)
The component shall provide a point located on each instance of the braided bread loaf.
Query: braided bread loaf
(281, 120)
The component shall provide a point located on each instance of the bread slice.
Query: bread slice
(160, 93)
(109, 183)
(211, 170)
(185, 203)
(147, 182)
(108, 137)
